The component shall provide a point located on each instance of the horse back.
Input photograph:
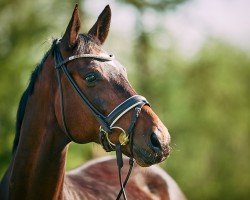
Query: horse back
(98, 179)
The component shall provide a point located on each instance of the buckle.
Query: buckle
(105, 141)
(123, 138)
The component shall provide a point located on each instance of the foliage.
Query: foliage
(205, 104)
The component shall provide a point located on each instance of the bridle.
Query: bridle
(107, 123)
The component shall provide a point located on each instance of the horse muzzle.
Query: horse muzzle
(156, 150)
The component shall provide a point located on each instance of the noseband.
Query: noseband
(107, 123)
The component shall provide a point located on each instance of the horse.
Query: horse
(80, 93)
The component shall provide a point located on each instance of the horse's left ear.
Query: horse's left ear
(100, 29)
(70, 36)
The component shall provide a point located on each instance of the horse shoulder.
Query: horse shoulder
(98, 179)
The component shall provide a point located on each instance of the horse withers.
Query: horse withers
(80, 93)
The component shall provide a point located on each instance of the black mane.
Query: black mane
(25, 96)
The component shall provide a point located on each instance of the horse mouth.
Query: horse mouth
(146, 158)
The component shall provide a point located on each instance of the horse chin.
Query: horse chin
(144, 163)
(146, 159)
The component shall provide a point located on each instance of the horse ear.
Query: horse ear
(70, 36)
(100, 29)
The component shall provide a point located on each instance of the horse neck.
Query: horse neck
(39, 162)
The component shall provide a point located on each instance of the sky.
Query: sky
(190, 24)
(228, 20)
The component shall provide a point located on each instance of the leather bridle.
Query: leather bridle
(107, 123)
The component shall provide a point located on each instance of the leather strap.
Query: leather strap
(124, 107)
(107, 146)
(96, 57)
(59, 59)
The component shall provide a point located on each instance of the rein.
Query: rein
(107, 123)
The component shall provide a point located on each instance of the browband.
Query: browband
(96, 57)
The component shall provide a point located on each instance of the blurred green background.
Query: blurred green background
(201, 95)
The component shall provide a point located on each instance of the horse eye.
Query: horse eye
(90, 78)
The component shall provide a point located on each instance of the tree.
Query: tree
(143, 44)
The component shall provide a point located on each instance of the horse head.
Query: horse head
(103, 86)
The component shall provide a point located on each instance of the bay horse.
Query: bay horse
(80, 93)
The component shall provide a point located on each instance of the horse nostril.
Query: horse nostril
(155, 142)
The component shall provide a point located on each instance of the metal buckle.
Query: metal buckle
(123, 136)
